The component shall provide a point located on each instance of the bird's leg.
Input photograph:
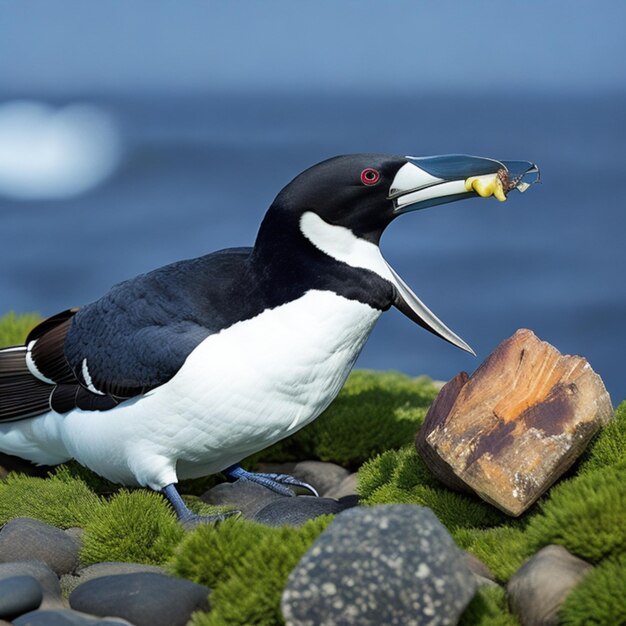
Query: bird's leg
(186, 517)
(275, 482)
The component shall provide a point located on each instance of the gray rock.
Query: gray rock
(296, 511)
(392, 564)
(66, 617)
(320, 474)
(107, 568)
(347, 502)
(26, 539)
(18, 595)
(538, 588)
(347, 487)
(46, 578)
(144, 599)
(243, 495)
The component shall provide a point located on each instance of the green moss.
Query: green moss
(488, 608)
(502, 549)
(61, 500)
(404, 468)
(609, 447)
(600, 598)
(454, 510)
(135, 526)
(247, 566)
(14, 328)
(586, 515)
(209, 552)
(375, 412)
(402, 477)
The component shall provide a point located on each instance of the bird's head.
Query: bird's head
(343, 205)
(365, 192)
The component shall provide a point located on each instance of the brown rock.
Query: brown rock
(508, 432)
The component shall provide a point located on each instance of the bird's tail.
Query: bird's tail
(21, 393)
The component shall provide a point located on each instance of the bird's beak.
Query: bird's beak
(427, 181)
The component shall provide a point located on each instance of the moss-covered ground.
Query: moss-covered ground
(370, 427)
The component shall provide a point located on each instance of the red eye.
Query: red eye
(370, 176)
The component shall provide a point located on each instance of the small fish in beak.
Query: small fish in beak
(500, 184)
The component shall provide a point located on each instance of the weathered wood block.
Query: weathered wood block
(513, 427)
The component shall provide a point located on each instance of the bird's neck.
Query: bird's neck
(285, 261)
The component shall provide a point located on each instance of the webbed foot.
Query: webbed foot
(275, 482)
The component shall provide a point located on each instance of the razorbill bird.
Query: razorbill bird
(186, 370)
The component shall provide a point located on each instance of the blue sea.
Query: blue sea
(198, 172)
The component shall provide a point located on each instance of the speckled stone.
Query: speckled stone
(26, 539)
(18, 595)
(392, 565)
(46, 578)
(144, 599)
(296, 511)
(538, 588)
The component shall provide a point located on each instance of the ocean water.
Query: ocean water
(198, 173)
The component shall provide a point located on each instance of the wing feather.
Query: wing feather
(21, 394)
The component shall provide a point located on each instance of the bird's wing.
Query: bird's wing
(37, 377)
(138, 336)
(133, 339)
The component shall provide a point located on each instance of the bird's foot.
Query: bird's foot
(276, 482)
(186, 516)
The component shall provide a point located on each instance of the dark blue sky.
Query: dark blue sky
(153, 45)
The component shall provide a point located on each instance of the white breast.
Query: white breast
(239, 391)
(263, 379)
